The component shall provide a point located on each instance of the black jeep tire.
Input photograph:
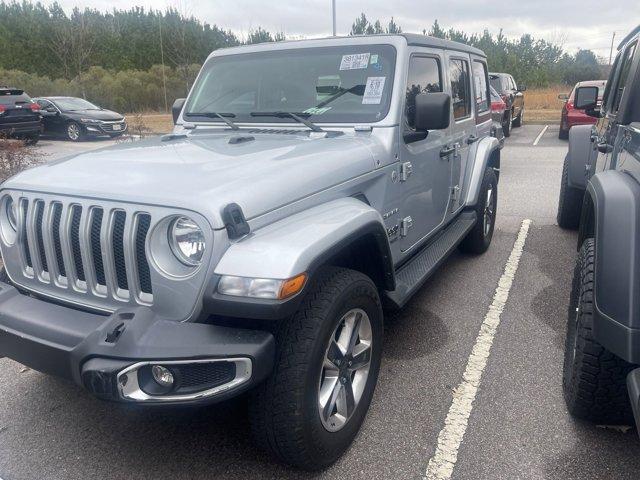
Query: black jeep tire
(570, 201)
(284, 410)
(507, 123)
(479, 238)
(594, 379)
(32, 139)
(519, 120)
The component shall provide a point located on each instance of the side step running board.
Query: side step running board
(412, 275)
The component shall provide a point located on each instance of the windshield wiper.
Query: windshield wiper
(221, 116)
(298, 117)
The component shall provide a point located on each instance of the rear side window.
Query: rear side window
(11, 97)
(625, 68)
(483, 103)
(425, 76)
(460, 88)
(495, 83)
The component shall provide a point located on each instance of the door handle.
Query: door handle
(472, 139)
(446, 151)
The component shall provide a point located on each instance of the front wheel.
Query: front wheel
(74, 132)
(310, 409)
(479, 238)
(594, 379)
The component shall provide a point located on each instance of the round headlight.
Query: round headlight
(12, 213)
(187, 241)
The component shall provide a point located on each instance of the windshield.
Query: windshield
(71, 104)
(343, 84)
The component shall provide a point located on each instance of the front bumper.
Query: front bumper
(97, 351)
(105, 128)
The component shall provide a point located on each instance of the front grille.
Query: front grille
(91, 248)
(108, 127)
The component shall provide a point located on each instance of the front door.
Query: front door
(424, 174)
(463, 125)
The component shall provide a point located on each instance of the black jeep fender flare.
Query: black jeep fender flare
(581, 155)
(611, 214)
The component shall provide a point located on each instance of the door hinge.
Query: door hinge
(405, 225)
(406, 169)
(455, 193)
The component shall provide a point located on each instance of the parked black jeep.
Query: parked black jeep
(513, 96)
(600, 195)
(19, 116)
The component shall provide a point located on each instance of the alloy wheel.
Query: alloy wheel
(345, 369)
(488, 211)
(73, 131)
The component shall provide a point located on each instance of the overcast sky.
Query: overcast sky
(573, 23)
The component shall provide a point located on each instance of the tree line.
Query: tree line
(115, 58)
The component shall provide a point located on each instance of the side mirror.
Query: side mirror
(563, 96)
(586, 98)
(177, 108)
(522, 88)
(433, 111)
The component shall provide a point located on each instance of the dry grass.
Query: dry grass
(542, 104)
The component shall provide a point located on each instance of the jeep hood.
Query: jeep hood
(206, 171)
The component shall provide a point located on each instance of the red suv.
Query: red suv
(572, 116)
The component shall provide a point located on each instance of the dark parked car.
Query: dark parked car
(75, 118)
(19, 116)
(498, 115)
(512, 95)
(574, 116)
(600, 196)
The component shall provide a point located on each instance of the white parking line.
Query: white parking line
(444, 459)
(535, 142)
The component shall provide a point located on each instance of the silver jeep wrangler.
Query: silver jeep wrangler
(305, 186)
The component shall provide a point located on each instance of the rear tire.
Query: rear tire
(285, 411)
(479, 238)
(594, 379)
(519, 120)
(32, 139)
(506, 124)
(570, 202)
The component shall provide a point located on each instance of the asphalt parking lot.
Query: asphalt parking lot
(518, 428)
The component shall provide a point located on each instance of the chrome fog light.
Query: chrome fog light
(162, 376)
(187, 241)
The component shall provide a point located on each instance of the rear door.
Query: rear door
(463, 122)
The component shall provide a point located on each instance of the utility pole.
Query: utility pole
(164, 77)
(333, 13)
(611, 51)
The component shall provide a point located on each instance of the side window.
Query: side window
(460, 88)
(480, 76)
(622, 78)
(424, 77)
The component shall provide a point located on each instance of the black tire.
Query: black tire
(594, 379)
(74, 137)
(563, 134)
(32, 139)
(284, 410)
(570, 202)
(519, 120)
(479, 238)
(506, 124)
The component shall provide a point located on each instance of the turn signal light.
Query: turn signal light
(292, 286)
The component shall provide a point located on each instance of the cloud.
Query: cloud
(574, 23)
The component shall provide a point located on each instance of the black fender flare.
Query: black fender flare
(580, 156)
(615, 224)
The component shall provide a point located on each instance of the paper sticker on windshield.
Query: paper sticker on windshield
(355, 61)
(373, 91)
(317, 110)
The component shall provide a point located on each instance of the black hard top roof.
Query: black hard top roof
(626, 39)
(415, 39)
